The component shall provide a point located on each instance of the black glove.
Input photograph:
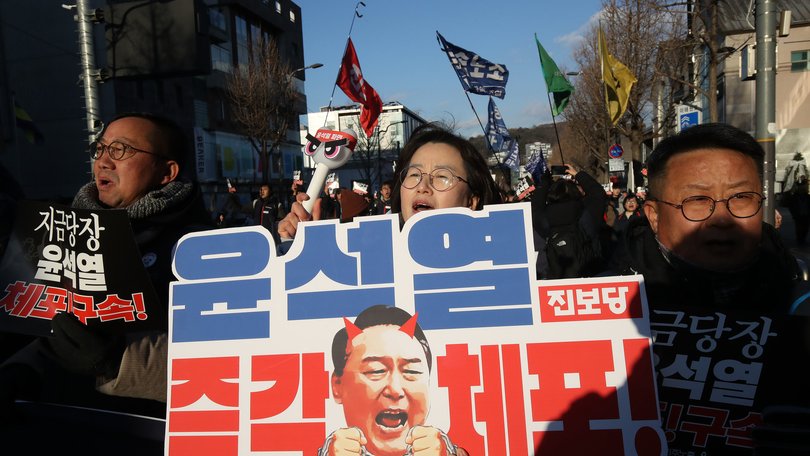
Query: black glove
(84, 350)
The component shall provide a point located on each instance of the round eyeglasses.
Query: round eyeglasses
(700, 208)
(116, 150)
(441, 179)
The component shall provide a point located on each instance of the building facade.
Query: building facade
(737, 76)
(171, 57)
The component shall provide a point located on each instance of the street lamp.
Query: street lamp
(313, 66)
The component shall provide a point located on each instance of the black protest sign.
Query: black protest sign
(86, 262)
(718, 370)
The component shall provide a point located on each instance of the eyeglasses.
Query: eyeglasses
(699, 208)
(116, 150)
(441, 179)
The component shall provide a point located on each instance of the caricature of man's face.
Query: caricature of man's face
(384, 387)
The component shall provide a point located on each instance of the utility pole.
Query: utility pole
(765, 96)
(90, 75)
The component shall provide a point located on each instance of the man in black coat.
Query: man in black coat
(704, 245)
(266, 211)
(706, 242)
(137, 167)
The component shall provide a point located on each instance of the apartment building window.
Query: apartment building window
(292, 16)
(242, 48)
(800, 60)
(278, 7)
(221, 58)
(218, 19)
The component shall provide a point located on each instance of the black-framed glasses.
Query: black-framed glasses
(116, 150)
(699, 208)
(441, 179)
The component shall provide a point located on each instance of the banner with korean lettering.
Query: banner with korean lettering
(61, 259)
(476, 74)
(718, 372)
(363, 334)
(499, 138)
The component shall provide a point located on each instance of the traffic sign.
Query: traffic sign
(687, 117)
(615, 164)
(615, 151)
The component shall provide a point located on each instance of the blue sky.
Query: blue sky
(400, 57)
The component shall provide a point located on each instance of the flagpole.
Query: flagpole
(609, 121)
(556, 133)
(351, 27)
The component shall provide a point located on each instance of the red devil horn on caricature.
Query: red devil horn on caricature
(409, 326)
(351, 329)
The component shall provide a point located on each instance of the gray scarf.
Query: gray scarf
(154, 202)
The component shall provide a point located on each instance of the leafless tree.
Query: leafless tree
(262, 96)
(701, 45)
(640, 35)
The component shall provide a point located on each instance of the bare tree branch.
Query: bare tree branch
(262, 95)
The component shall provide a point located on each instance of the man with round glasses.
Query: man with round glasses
(706, 243)
(138, 167)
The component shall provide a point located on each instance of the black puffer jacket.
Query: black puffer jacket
(771, 285)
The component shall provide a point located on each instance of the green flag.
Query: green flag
(556, 83)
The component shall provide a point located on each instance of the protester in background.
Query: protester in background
(569, 215)
(795, 171)
(632, 209)
(799, 206)
(266, 211)
(138, 167)
(611, 211)
(382, 204)
(439, 170)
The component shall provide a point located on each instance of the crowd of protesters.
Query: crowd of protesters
(698, 235)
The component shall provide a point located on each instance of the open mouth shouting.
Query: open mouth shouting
(103, 183)
(392, 419)
(419, 206)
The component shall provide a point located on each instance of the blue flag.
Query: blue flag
(477, 75)
(536, 165)
(498, 136)
(513, 159)
(496, 128)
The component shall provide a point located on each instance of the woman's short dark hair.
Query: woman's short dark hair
(478, 176)
(562, 190)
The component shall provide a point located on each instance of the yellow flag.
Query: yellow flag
(618, 81)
